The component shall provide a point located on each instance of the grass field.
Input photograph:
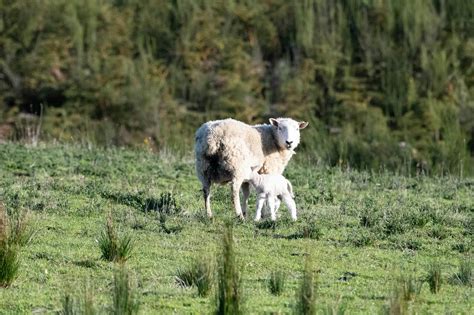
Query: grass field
(363, 231)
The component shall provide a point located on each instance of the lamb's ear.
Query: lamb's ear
(274, 122)
(303, 124)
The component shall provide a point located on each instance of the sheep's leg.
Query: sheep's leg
(271, 204)
(206, 188)
(260, 203)
(246, 194)
(236, 198)
(290, 203)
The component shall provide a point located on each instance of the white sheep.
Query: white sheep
(273, 188)
(227, 151)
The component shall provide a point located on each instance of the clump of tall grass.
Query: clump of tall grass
(199, 274)
(14, 233)
(125, 299)
(306, 294)
(114, 247)
(434, 277)
(229, 284)
(276, 282)
(409, 287)
(464, 275)
(396, 304)
(165, 207)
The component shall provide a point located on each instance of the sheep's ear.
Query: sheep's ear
(303, 124)
(274, 122)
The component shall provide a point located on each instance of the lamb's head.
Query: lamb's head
(287, 132)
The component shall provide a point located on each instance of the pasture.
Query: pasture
(364, 231)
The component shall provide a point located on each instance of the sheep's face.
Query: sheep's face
(287, 132)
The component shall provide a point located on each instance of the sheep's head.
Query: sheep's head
(287, 132)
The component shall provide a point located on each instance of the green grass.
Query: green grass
(363, 230)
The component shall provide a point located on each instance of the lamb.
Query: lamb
(227, 150)
(273, 188)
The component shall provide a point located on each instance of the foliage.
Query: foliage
(384, 84)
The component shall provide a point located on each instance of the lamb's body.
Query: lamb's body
(227, 150)
(273, 188)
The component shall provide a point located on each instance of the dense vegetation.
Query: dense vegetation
(364, 242)
(384, 83)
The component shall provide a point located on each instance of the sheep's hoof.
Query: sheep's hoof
(240, 217)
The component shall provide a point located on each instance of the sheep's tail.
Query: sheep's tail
(290, 188)
(205, 145)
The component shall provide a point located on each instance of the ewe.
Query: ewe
(227, 151)
(273, 188)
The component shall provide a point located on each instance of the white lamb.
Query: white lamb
(227, 150)
(273, 188)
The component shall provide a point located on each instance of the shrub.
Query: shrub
(276, 282)
(114, 247)
(229, 290)
(434, 278)
(125, 300)
(306, 295)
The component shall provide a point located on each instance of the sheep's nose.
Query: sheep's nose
(289, 142)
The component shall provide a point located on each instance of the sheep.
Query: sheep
(273, 188)
(227, 150)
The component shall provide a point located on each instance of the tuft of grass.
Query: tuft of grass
(307, 229)
(68, 305)
(276, 282)
(199, 274)
(409, 287)
(229, 290)
(434, 277)
(339, 307)
(125, 299)
(464, 275)
(114, 247)
(20, 231)
(306, 295)
(9, 252)
(9, 263)
(396, 304)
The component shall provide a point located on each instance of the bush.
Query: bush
(114, 247)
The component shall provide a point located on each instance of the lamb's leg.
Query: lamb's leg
(277, 204)
(236, 198)
(260, 203)
(246, 194)
(271, 205)
(290, 203)
(206, 188)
